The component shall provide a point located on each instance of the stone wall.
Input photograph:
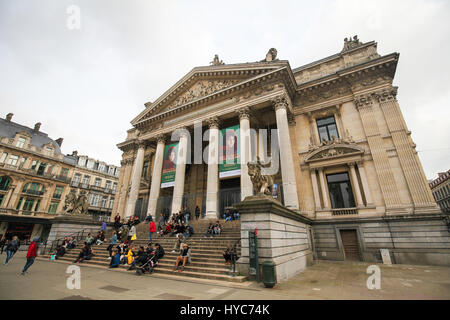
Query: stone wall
(417, 239)
(283, 237)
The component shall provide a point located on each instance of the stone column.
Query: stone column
(246, 149)
(135, 180)
(315, 189)
(8, 196)
(15, 194)
(354, 178)
(155, 187)
(323, 182)
(286, 159)
(180, 172)
(365, 184)
(212, 188)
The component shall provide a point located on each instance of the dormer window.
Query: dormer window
(48, 151)
(327, 129)
(21, 142)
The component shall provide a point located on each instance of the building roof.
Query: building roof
(9, 129)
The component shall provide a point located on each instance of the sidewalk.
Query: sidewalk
(323, 280)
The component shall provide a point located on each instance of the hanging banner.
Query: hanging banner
(169, 165)
(230, 155)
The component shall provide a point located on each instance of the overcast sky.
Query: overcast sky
(87, 84)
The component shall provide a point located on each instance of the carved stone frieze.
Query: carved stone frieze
(386, 94)
(363, 100)
(331, 149)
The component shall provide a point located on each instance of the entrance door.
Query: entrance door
(350, 244)
(21, 230)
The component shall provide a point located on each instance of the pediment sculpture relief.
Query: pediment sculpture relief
(333, 148)
(202, 89)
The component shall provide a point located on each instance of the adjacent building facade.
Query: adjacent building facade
(346, 157)
(440, 188)
(35, 177)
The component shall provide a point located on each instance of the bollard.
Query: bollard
(269, 276)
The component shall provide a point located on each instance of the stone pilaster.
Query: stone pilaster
(355, 183)
(315, 189)
(365, 184)
(412, 169)
(323, 186)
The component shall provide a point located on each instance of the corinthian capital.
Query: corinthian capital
(213, 123)
(280, 102)
(161, 138)
(244, 113)
(386, 94)
(363, 100)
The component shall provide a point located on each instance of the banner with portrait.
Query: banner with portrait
(230, 152)
(169, 165)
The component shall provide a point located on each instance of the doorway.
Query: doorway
(350, 245)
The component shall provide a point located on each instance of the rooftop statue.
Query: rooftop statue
(351, 43)
(271, 55)
(216, 61)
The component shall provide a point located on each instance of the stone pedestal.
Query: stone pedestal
(68, 225)
(283, 236)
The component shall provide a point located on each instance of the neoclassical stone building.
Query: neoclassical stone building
(347, 160)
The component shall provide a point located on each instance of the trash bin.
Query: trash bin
(268, 272)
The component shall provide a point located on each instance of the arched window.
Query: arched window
(5, 182)
(34, 188)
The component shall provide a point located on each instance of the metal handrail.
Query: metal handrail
(234, 256)
(76, 236)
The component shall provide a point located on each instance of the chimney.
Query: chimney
(9, 117)
(75, 153)
(59, 141)
(37, 126)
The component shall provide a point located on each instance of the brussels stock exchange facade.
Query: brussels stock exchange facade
(331, 132)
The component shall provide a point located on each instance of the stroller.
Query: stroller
(147, 266)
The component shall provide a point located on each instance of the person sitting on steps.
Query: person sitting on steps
(178, 242)
(86, 253)
(115, 259)
(210, 230)
(183, 258)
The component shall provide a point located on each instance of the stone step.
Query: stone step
(164, 264)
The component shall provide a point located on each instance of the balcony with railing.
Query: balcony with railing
(344, 211)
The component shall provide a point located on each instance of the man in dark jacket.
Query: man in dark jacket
(12, 248)
(31, 255)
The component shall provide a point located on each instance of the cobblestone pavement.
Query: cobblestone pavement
(323, 280)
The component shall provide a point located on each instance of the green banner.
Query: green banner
(230, 152)
(169, 165)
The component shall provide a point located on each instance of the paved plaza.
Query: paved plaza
(322, 281)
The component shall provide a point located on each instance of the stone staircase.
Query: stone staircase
(207, 260)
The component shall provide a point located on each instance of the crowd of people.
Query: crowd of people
(121, 246)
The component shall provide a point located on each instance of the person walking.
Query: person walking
(31, 255)
(2, 244)
(11, 249)
(151, 230)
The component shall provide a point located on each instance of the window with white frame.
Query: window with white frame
(13, 160)
(21, 142)
(3, 158)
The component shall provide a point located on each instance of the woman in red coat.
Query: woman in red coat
(31, 255)
(152, 229)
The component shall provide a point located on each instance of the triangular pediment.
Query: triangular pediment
(334, 149)
(205, 81)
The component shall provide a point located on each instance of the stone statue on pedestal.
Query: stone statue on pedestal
(263, 184)
(76, 205)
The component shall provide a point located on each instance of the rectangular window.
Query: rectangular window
(34, 165)
(340, 190)
(41, 169)
(2, 196)
(65, 172)
(19, 203)
(327, 129)
(58, 192)
(20, 142)
(108, 184)
(104, 202)
(53, 207)
(86, 180)
(114, 186)
(111, 203)
(48, 151)
(3, 158)
(13, 160)
(145, 169)
(28, 206)
(22, 162)
(76, 178)
(98, 182)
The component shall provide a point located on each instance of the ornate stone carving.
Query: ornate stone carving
(333, 148)
(161, 138)
(350, 43)
(263, 184)
(76, 205)
(291, 119)
(386, 94)
(363, 100)
(213, 122)
(201, 90)
(280, 102)
(244, 113)
(216, 61)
